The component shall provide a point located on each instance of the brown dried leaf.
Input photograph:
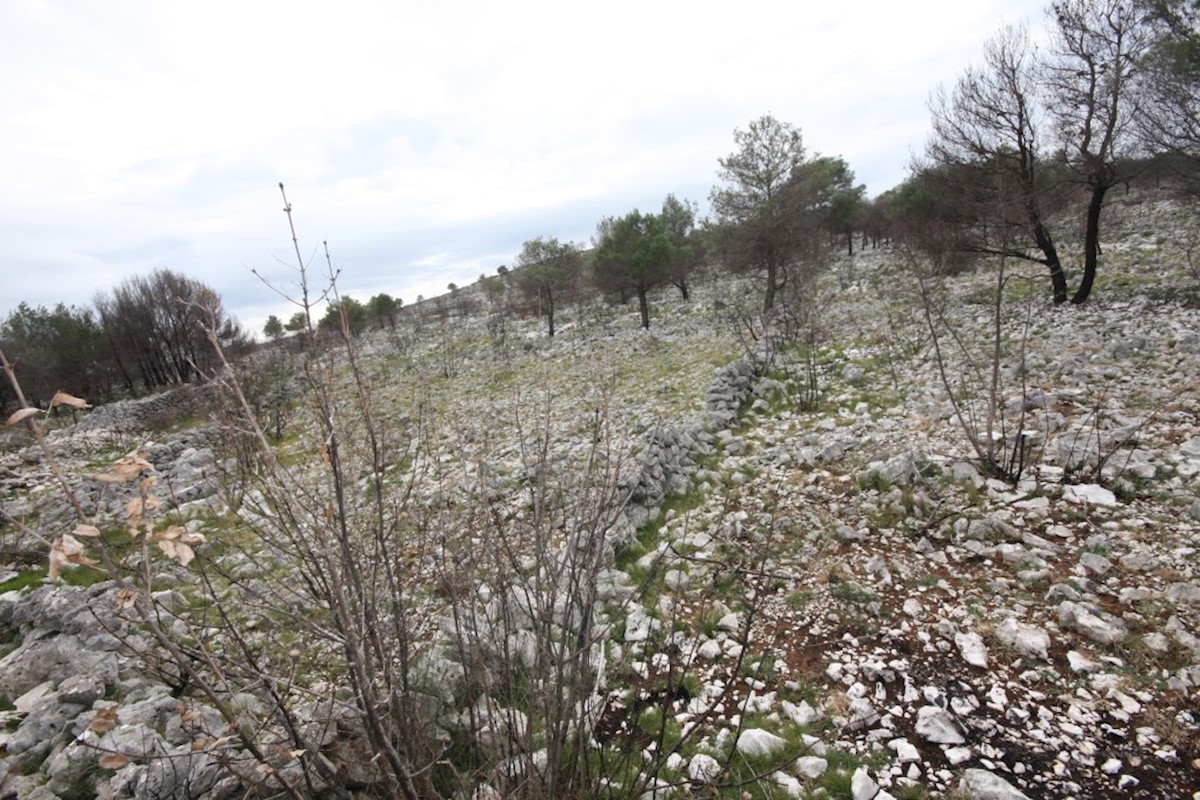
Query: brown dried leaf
(193, 538)
(83, 561)
(168, 547)
(125, 598)
(113, 760)
(134, 509)
(66, 551)
(173, 532)
(104, 721)
(120, 473)
(90, 531)
(69, 545)
(20, 416)
(184, 553)
(69, 400)
(57, 562)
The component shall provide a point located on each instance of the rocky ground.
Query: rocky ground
(841, 582)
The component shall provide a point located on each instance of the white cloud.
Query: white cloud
(139, 134)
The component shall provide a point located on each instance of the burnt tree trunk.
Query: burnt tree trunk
(1091, 240)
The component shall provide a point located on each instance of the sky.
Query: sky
(424, 142)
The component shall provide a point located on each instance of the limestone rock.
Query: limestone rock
(1028, 640)
(938, 726)
(972, 649)
(980, 784)
(1089, 494)
(756, 743)
(1097, 625)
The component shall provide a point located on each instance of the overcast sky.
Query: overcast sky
(426, 141)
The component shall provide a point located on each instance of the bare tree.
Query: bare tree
(1168, 118)
(1097, 46)
(986, 141)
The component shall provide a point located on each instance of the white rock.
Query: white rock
(913, 607)
(703, 768)
(936, 725)
(755, 743)
(979, 784)
(904, 750)
(957, 755)
(788, 783)
(26, 702)
(637, 625)
(1183, 593)
(1093, 562)
(710, 650)
(1097, 626)
(1089, 494)
(862, 785)
(811, 767)
(802, 714)
(731, 622)
(1080, 663)
(972, 649)
(1157, 642)
(675, 579)
(1028, 640)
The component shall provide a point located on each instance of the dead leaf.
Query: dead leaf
(20, 416)
(70, 545)
(66, 551)
(193, 538)
(69, 400)
(135, 509)
(184, 553)
(173, 532)
(125, 598)
(113, 760)
(104, 721)
(90, 531)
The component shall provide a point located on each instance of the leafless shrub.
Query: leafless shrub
(970, 366)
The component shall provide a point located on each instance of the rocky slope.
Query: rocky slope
(850, 590)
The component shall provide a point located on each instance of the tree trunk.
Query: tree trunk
(681, 285)
(772, 275)
(849, 242)
(643, 307)
(1091, 241)
(1058, 280)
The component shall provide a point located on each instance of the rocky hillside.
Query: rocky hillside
(811, 587)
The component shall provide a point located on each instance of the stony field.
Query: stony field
(805, 553)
